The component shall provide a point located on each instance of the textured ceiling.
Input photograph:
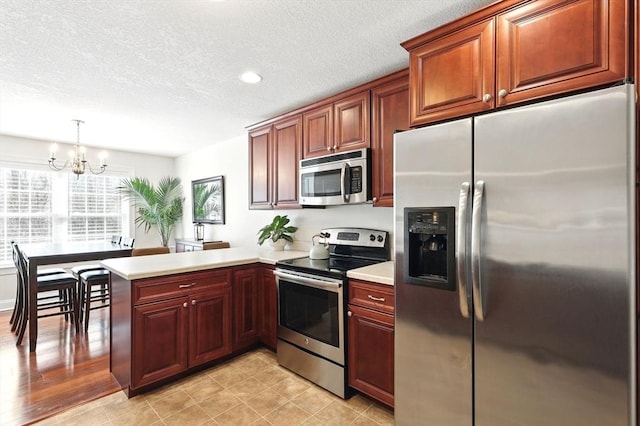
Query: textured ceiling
(161, 76)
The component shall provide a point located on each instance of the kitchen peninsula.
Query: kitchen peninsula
(174, 313)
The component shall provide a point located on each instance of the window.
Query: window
(44, 206)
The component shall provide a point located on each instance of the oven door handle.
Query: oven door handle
(311, 282)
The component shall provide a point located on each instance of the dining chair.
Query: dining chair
(18, 303)
(49, 305)
(93, 287)
(127, 241)
(149, 250)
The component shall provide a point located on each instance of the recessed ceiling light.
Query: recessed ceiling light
(250, 77)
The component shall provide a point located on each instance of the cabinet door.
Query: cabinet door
(259, 168)
(210, 325)
(317, 137)
(451, 75)
(268, 307)
(160, 340)
(287, 147)
(371, 353)
(549, 46)
(351, 125)
(390, 113)
(245, 308)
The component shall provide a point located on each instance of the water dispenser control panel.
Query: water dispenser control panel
(429, 252)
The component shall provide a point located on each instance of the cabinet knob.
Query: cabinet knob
(502, 93)
(349, 313)
(329, 148)
(486, 97)
(375, 199)
(335, 147)
(185, 304)
(193, 302)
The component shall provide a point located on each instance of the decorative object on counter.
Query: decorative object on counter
(208, 200)
(156, 207)
(277, 232)
(77, 161)
(319, 250)
(198, 231)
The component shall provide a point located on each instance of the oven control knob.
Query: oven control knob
(372, 237)
(380, 239)
(327, 234)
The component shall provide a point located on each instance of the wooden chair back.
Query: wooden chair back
(149, 250)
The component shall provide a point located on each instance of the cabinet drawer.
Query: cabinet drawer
(154, 289)
(372, 295)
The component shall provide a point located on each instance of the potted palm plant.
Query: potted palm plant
(277, 232)
(157, 207)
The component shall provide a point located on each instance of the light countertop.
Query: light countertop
(133, 268)
(381, 273)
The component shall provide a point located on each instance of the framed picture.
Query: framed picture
(207, 197)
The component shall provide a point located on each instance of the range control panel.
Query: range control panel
(355, 237)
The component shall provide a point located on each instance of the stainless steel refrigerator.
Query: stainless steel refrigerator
(515, 260)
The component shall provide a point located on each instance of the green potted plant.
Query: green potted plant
(157, 207)
(277, 232)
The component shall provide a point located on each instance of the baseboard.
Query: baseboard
(6, 304)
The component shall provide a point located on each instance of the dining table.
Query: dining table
(38, 254)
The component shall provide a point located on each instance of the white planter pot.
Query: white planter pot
(278, 245)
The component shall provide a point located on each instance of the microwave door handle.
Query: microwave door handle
(345, 184)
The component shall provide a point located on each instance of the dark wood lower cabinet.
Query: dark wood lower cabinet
(210, 326)
(165, 326)
(245, 307)
(371, 339)
(268, 302)
(160, 343)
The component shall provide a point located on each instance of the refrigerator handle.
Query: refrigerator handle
(461, 250)
(476, 224)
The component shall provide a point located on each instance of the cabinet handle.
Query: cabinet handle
(186, 285)
(486, 97)
(185, 304)
(375, 299)
(502, 93)
(193, 302)
(349, 313)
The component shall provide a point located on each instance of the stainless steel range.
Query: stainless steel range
(312, 296)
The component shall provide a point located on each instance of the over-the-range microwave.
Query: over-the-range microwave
(343, 178)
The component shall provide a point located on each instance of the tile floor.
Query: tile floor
(248, 390)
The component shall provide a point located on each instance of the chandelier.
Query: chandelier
(77, 161)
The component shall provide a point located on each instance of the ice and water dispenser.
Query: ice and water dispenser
(429, 247)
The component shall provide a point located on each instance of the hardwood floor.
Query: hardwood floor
(66, 369)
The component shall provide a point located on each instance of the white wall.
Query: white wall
(34, 154)
(231, 159)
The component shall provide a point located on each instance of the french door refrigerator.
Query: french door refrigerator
(515, 259)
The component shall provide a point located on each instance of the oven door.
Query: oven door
(311, 313)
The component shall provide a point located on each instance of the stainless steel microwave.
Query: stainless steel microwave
(343, 178)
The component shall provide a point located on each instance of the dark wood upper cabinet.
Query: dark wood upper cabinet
(390, 113)
(550, 46)
(274, 158)
(318, 131)
(337, 127)
(511, 52)
(260, 142)
(453, 75)
(287, 135)
(352, 130)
